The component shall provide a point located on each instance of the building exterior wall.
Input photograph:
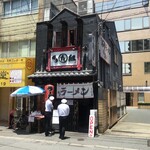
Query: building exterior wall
(138, 77)
(102, 115)
(137, 59)
(4, 103)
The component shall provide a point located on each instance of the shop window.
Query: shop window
(126, 68)
(147, 67)
(140, 97)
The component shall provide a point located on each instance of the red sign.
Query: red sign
(91, 125)
(63, 57)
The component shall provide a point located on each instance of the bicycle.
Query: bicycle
(19, 122)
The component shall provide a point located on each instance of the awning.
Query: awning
(62, 74)
(136, 89)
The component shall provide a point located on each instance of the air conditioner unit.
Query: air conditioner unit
(85, 7)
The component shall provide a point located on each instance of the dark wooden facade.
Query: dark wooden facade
(79, 43)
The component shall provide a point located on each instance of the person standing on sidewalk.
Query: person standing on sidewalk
(63, 112)
(48, 115)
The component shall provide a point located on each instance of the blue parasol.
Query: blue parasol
(27, 91)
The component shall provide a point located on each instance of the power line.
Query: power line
(56, 5)
(64, 17)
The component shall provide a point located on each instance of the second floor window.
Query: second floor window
(70, 40)
(24, 48)
(126, 69)
(17, 7)
(147, 67)
(135, 45)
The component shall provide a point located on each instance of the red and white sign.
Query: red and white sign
(91, 126)
(63, 57)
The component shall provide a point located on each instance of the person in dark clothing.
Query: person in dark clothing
(63, 112)
(48, 115)
(11, 117)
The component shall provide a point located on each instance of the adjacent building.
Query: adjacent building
(18, 19)
(133, 26)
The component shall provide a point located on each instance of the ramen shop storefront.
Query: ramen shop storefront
(80, 99)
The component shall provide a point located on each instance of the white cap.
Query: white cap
(63, 101)
(51, 98)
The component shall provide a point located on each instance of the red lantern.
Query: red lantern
(49, 90)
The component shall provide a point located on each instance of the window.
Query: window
(146, 44)
(23, 49)
(127, 24)
(136, 23)
(4, 53)
(128, 47)
(18, 49)
(17, 7)
(135, 45)
(147, 67)
(71, 37)
(132, 24)
(119, 25)
(13, 49)
(25, 7)
(82, 7)
(145, 22)
(120, 5)
(58, 39)
(122, 47)
(140, 97)
(126, 68)
(6, 8)
(32, 48)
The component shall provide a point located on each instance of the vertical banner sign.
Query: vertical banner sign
(91, 126)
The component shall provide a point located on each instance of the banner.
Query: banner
(76, 91)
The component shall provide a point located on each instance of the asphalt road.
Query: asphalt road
(136, 115)
(133, 135)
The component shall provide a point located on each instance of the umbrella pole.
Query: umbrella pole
(29, 105)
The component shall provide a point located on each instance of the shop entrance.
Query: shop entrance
(84, 106)
(78, 120)
(129, 99)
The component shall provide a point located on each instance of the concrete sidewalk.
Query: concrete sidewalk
(135, 123)
(137, 130)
